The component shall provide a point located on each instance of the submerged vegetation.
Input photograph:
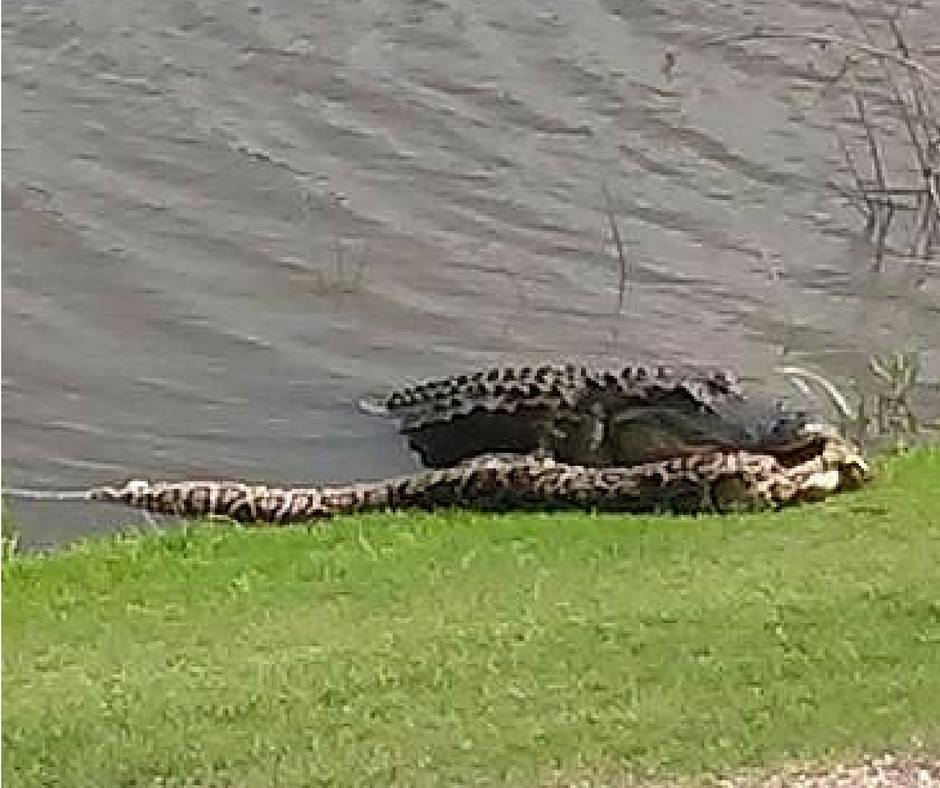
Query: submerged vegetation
(463, 648)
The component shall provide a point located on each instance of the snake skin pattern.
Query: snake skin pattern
(704, 482)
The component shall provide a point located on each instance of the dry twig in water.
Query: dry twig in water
(905, 85)
(618, 244)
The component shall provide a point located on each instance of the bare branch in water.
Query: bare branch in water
(882, 215)
(923, 108)
(824, 39)
(903, 109)
(869, 210)
(911, 100)
(877, 165)
(919, 118)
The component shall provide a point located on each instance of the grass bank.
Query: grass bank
(470, 649)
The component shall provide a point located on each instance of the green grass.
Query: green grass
(474, 649)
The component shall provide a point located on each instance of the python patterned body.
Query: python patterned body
(716, 481)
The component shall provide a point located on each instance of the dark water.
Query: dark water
(225, 221)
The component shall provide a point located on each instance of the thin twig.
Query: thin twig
(878, 202)
(823, 38)
(897, 191)
(869, 211)
(886, 201)
(847, 62)
(882, 219)
(924, 226)
(881, 239)
(902, 105)
(934, 186)
(851, 164)
(618, 243)
(869, 134)
(855, 199)
(921, 97)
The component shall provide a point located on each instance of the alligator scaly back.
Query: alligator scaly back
(703, 482)
(564, 410)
